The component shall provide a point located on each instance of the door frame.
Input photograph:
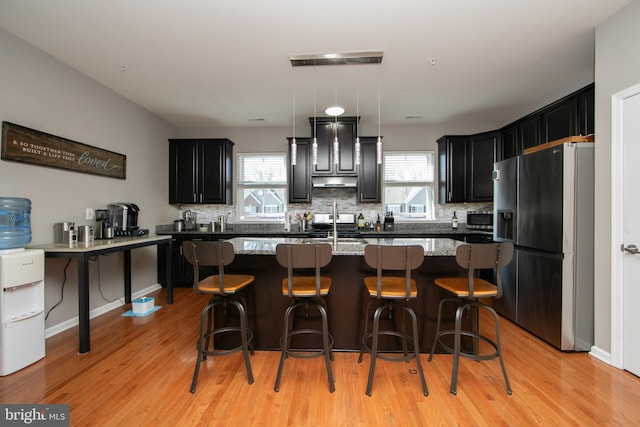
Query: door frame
(617, 193)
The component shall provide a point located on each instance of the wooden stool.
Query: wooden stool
(305, 291)
(467, 291)
(223, 289)
(392, 291)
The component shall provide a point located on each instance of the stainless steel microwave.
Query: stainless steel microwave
(482, 220)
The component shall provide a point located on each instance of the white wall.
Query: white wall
(617, 67)
(39, 92)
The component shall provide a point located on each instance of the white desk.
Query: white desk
(83, 251)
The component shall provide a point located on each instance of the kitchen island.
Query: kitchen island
(347, 299)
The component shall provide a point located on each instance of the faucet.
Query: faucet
(335, 223)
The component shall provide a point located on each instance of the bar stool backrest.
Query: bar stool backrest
(200, 253)
(398, 258)
(295, 256)
(484, 256)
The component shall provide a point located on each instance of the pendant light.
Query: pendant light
(336, 144)
(357, 144)
(294, 146)
(314, 144)
(379, 142)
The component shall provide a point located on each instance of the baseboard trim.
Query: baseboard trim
(600, 354)
(68, 324)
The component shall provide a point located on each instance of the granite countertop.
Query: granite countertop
(267, 245)
(275, 230)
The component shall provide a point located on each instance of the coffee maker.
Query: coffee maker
(103, 230)
(123, 217)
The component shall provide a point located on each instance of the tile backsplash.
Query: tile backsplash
(346, 197)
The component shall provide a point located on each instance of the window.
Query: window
(261, 184)
(409, 185)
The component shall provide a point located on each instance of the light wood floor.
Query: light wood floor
(139, 371)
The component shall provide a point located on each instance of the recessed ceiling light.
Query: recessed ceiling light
(334, 110)
(433, 61)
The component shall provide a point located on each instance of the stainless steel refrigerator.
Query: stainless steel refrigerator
(543, 203)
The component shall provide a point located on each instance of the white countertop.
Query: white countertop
(98, 244)
(267, 245)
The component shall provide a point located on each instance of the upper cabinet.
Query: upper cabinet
(300, 173)
(452, 169)
(586, 109)
(326, 131)
(200, 171)
(569, 116)
(369, 172)
(464, 167)
(482, 155)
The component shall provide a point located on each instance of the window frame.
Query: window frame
(429, 185)
(277, 186)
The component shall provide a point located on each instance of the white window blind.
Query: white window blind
(408, 167)
(262, 169)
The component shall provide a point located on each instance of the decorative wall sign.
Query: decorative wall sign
(26, 145)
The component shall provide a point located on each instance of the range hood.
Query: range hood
(334, 181)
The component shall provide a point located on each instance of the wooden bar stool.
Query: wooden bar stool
(223, 289)
(467, 294)
(306, 291)
(391, 292)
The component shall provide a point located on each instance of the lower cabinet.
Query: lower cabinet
(181, 270)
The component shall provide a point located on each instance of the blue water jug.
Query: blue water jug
(15, 222)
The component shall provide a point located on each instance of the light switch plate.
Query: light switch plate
(89, 214)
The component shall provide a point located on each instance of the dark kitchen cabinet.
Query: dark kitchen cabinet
(509, 144)
(464, 167)
(369, 172)
(452, 169)
(560, 120)
(530, 131)
(326, 130)
(586, 108)
(569, 116)
(482, 148)
(200, 171)
(300, 173)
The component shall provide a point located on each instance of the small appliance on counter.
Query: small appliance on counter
(103, 228)
(85, 233)
(388, 222)
(64, 232)
(480, 220)
(190, 221)
(124, 219)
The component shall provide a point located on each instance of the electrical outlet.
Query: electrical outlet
(89, 214)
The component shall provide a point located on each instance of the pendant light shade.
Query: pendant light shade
(379, 142)
(294, 151)
(314, 144)
(336, 145)
(356, 147)
(294, 146)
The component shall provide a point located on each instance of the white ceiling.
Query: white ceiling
(208, 63)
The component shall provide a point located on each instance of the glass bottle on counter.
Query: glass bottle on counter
(360, 221)
(378, 225)
(454, 221)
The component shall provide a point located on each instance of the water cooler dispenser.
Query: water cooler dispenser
(21, 309)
